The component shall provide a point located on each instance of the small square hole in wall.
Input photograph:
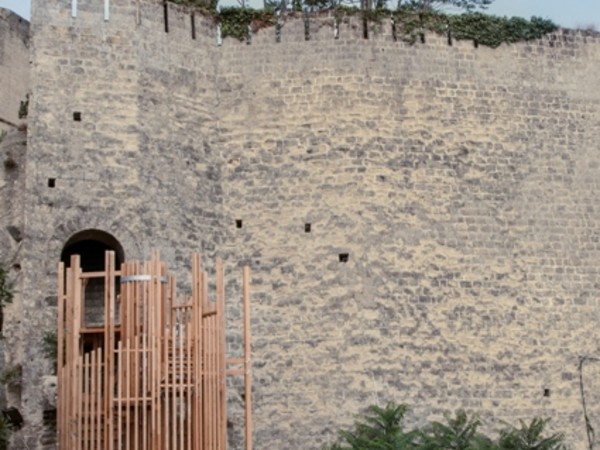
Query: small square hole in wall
(344, 257)
(238, 223)
(546, 392)
(51, 182)
(77, 116)
(307, 227)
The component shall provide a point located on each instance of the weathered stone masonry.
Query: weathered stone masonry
(14, 67)
(461, 182)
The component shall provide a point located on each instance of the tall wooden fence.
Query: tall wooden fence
(153, 376)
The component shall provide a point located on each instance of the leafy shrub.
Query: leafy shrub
(5, 431)
(235, 21)
(459, 433)
(50, 348)
(382, 429)
(411, 19)
(379, 428)
(208, 5)
(493, 31)
(530, 437)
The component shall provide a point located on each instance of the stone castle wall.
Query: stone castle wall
(459, 182)
(14, 67)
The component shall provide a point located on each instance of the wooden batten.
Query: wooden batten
(154, 375)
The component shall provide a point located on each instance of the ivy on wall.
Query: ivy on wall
(410, 22)
(235, 22)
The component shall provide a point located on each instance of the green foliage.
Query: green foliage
(493, 31)
(7, 293)
(411, 21)
(5, 431)
(430, 5)
(459, 433)
(481, 28)
(206, 5)
(382, 429)
(530, 437)
(11, 376)
(24, 107)
(50, 347)
(235, 21)
(378, 429)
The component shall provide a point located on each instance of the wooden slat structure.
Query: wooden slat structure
(153, 376)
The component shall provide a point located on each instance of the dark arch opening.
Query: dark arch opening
(91, 246)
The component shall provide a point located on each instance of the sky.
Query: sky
(566, 13)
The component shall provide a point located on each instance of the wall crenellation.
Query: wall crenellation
(186, 20)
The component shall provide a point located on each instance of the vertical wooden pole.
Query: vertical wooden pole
(127, 349)
(68, 435)
(86, 402)
(164, 398)
(144, 357)
(60, 336)
(109, 347)
(247, 357)
(153, 387)
(214, 381)
(136, 360)
(99, 372)
(222, 426)
(173, 367)
(198, 370)
(188, 377)
(210, 377)
(180, 378)
(119, 400)
(76, 351)
(206, 372)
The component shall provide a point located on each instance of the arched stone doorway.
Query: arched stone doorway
(91, 246)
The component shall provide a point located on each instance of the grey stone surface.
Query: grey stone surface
(461, 182)
(14, 67)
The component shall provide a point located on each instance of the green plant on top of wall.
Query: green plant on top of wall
(493, 31)
(483, 29)
(411, 20)
(235, 21)
(206, 5)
